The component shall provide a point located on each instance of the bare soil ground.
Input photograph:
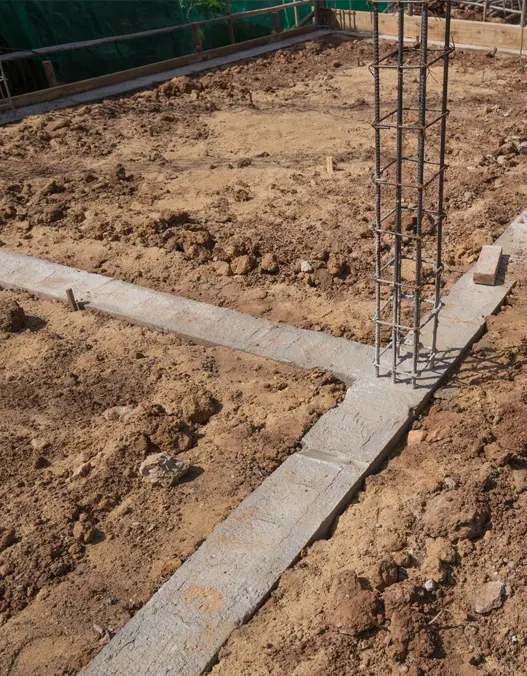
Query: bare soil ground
(425, 573)
(84, 539)
(216, 188)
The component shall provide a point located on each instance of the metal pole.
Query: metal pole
(378, 187)
(396, 310)
(420, 189)
(442, 168)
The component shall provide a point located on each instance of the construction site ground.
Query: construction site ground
(85, 540)
(216, 187)
(425, 572)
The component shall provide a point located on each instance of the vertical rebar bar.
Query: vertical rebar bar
(398, 192)
(378, 187)
(441, 190)
(420, 190)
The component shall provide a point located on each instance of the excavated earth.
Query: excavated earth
(426, 572)
(85, 539)
(216, 187)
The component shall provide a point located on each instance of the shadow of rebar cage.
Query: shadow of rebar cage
(409, 178)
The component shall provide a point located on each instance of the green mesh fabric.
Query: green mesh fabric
(29, 24)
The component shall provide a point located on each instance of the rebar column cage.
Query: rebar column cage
(409, 176)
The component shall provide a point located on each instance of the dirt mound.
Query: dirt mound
(12, 315)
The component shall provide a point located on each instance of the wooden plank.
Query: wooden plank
(470, 33)
(488, 264)
(329, 165)
(151, 69)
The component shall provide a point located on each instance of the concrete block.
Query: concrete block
(486, 269)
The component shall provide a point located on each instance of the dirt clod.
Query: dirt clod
(489, 597)
(12, 316)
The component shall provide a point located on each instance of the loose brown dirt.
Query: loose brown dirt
(84, 540)
(216, 188)
(425, 573)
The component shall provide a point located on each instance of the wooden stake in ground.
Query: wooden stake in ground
(329, 165)
(71, 300)
(487, 266)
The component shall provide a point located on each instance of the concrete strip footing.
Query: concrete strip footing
(199, 322)
(181, 629)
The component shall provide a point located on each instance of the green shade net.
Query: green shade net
(29, 24)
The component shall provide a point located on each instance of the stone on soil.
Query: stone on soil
(162, 468)
(269, 263)
(489, 597)
(242, 265)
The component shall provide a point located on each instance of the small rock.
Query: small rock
(387, 573)
(199, 407)
(222, 268)
(244, 162)
(78, 531)
(489, 597)
(429, 585)
(269, 263)
(324, 279)
(262, 153)
(439, 433)
(12, 315)
(170, 218)
(39, 444)
(7, 538)
(305, 266)
(335, 266)
(416, 437)
(519, 478)
(162, 468)
(242, 265)
(121, 412)
(522, 148)
(446, 393)
(82, 470)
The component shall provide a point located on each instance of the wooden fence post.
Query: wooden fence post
(276, 22)
(230, 25)
(50, 73)
(196, 37)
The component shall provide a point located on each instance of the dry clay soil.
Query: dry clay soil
(426, 572)
(216, 187)
(84, 539)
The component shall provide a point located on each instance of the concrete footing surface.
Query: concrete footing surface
(181, 629)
